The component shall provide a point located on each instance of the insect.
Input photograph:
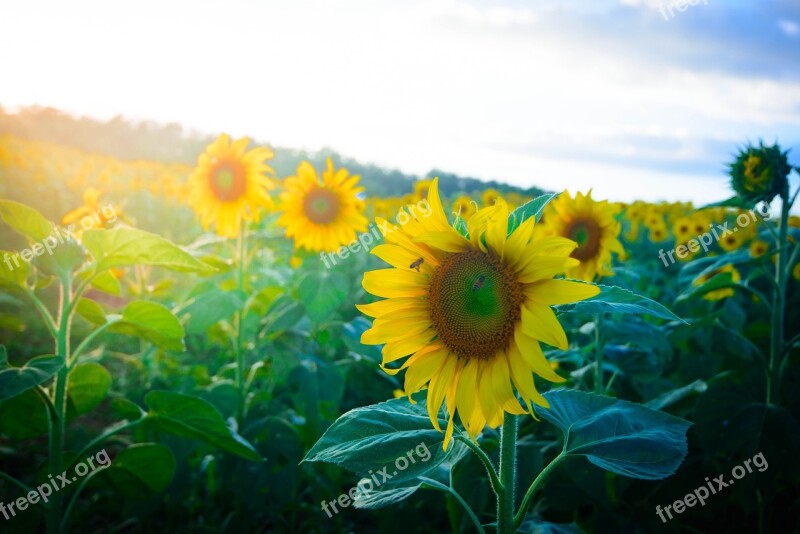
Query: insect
(416, 263)
(478, 283)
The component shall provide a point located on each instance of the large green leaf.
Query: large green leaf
(25, 220)
(91, 311)
(123, 246)
(191, 417)
(534, 208)
(16, 380)
(87, 386)
(12, 272)
(613, 299)
(619, 436)
(151, 465)
(322, 293)
(153, 322)
(373, 438)
(24, 416)
(209, 308)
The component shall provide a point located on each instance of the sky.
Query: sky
(633, 98)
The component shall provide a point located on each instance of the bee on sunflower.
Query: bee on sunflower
(592, 225)
(322, 215)
(230, 184)
(472, 316)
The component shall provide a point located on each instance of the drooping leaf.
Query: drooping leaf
(87, 386)
(671, 397)
(25, 220)
(534, 208)
(123, 247)
(191, 417)
(322, 292)
(619, 436)
(613, 299)
(142, 466)
(17, 380)
(371, 439)
(153, 322)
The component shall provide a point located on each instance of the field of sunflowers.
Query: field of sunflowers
(221, 347)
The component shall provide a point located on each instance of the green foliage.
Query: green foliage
(16, 380)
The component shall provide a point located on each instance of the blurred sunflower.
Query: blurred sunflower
(719, 294)
(758, 248)
(91, 209)
(421, 189)
(796, 271)
(322, 216)
(230, 184)
(489, 197)
(732, 241)
(473, 314)
(464, 207)
(593, 225)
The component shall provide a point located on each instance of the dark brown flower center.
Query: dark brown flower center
(321, 205)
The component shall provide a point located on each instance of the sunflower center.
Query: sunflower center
(586, 233)
(321, 205)
(475, 304)
(228, 181)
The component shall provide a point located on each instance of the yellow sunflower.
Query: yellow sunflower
(719, 294)
(730, 242)
(464, 207)
(322, 216)
(758, 248)
(592, 224)
(470, 312)
(421, 189)
(230, 184)
(489, 197)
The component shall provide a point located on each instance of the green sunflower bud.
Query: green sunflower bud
(759, 173)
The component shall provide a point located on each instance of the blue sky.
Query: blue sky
(620, 95)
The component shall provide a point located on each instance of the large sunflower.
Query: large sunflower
(592, 224)
(230, 184)
(470, 311)
(322, 216)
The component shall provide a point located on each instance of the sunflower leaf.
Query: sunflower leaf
(383, 439)
(534, 208)
(619, 436)
(613, 299)
(124, 246)
(17, 380)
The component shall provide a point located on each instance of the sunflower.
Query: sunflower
(92, 210)
(719, 294)
(421, 189)
(322, 216)
(758, 248)
(489, 197)
(730, 242)
(759, 173)
(593, 225)
(470, 311)
(464, 207)
(229, 184)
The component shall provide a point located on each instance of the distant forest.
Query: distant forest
(170, 143)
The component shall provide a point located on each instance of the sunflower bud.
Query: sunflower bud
(759, 173)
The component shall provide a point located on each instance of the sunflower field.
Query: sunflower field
(226, 347)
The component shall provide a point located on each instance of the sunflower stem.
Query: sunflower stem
(599, 346)
(508, 475)
(526, 501)
(778, 308)
(497, 487)
(239, 319)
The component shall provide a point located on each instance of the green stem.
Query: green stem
(485, 460)
(46, 317)
(74, 498)
(60, 402)
(85, 343)
(778, 307)
(598, 362)
(100, 439)
(508, 475)
(449, 490)
(239, 319)
(526, 501)
(24, 487)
